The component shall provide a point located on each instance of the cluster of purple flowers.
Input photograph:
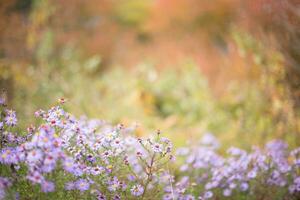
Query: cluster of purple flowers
(101, 161)
(214, 176)
(96, 158)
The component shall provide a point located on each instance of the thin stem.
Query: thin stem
(149, 175)
(172, 191)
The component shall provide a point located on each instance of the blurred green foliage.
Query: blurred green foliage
(178, 100)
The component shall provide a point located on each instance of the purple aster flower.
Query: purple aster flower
(123, 185)
(47, 168)
(232, 185)
(295, 187)
(131, 177)
(252, 174)
(4, 183)
(97, 170)
(117, 197)
(82, 185)
(8, 156)
(156, 147)
(68, 163)
(91, 158)
(227, 192)
(45, 141)
(34, 155)
(77, 171)
(10, 118)
(107, 154)
(47, 186)
(70, 186)
(292, 189)
(117, 143)
(137, 190)
(5, 155)
(113, 184)
(70, 166)
(49, 160)
(244, 186)
(100, 196)
(208, 195)
(35, 177)
(12, 138)
(276, 149)
(208, 186)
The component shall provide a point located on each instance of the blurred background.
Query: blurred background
(186, 67)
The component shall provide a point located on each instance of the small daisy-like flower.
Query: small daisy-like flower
(10, 119)
(117, 197)
(4, 182)
(49, 160)
(117, 143)
(227, 192)
(252, 174)
(123, 185)
(113, 184)
(244, 186)
(106, 154)
(5, 155)
(68, 164)
(91, 158)
(34, 155)
(35, 177)
(156, 147)
(97, 170)
(9, 155)
(131, 177)
(47, 186)
(70, 186)
(100, 196)
(110, 136)
(82, 185)
(208, 195)
(137, 190)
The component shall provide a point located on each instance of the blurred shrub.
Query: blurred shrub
(132, 12)
(177, 100)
